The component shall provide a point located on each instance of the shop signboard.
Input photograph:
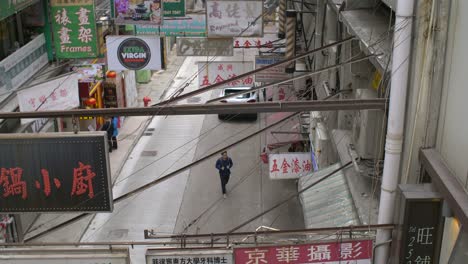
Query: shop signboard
(65, 255)
(283, 92)
(333, 252)
(10, 7)
(89, 73)
(290, 165)
(190, 26)
(217, 71)
(231, 18)
(272, 74)
(212, 256)
(174, 8)
(57, 94)
(55, 172)
(133, 53)
(138, 12)
(74, 28)
(261, 44)
(17, 68)
(199, 46)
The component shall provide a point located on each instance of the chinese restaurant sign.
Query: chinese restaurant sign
(204, 47)
(272, 74)
(57, 94)
(229, 18)
(289, 165)
(74, 28)
(218, 71)
(356, 252)
(174, 8)
(193, 26)
(10, 7)
(133, 53)
(138, 12)
(54, 172)
(199, 256)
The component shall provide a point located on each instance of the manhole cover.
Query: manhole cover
(147, 134)
(193, 99)
(149, 153)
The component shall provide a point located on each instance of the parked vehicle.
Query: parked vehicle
(250, 97)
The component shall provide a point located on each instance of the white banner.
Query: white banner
(229, 18)
(57, 94)
(133, 53)
(218, 71)
(289, 165)
(272, 74)
(213, 256)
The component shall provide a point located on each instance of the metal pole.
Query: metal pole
(282, 19)
(290, 39)
(204, 109)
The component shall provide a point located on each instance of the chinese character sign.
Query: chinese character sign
(357, 251)
(234, 18)
(289, 165)
(193, 26)
(192, 256)
(272, 74)
(58, 94)
(54, 172)
(149, 12)
(215, 72)
(74, 29)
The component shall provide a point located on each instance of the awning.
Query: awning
(329, 203)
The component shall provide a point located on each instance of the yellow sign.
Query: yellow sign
(376, 80)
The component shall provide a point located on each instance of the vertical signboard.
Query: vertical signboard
(289, 165)
(55, 172)
(74, 29)
(141, 12)
(218, 71)
(356, 252)
(133, 53)
(174, 8)
(229, 18)
(212, 256)
(421, 227)
(272, 74)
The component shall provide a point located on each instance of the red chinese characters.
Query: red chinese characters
(290, 165)
(12, 184)
(83, 180)
(329, 253)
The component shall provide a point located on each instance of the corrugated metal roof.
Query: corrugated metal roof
(329, 203)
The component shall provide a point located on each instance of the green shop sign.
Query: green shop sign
(174, 8)
(74, 29)
(9, 7)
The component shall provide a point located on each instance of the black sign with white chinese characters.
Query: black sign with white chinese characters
(421, 229)
(54, 172)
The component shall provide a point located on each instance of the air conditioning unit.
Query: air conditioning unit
(368, 128)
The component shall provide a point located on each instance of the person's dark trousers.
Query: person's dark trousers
(114, 142)
(224, 181)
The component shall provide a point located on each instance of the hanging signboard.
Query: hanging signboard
(218, 71)
(204, 47)
(141, 12)
(356, 251)
(290, 165)
(64, 255)
(190, 26)
(55, 172)
(213, 256)
(133, 53)
(272, 74)
(228, 18)
(57, 94)
(89, 72)
(174, 8)
(74, 28)
(10, 7)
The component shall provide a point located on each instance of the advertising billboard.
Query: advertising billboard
(138, 12)
(55, 172)
(133, 53)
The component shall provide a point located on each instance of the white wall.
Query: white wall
(452, 140)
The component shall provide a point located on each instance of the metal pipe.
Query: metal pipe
(242, 76)
(282, 19)
(290, 40)
(402, 38)
(293, 78)
(203, 109)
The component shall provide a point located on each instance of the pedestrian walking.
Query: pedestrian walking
(115, 125)
(108, 126)
(224, 165)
